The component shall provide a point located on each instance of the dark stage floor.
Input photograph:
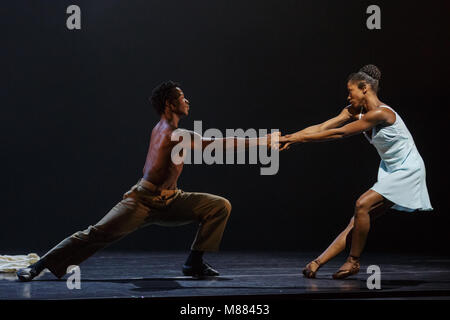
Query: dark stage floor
(274, 275)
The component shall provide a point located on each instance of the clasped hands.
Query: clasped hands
(278, 142)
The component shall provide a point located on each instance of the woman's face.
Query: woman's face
(356, 96)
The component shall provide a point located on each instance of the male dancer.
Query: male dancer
(155, 199)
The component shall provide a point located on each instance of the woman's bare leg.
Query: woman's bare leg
(368, 207)
(338, 245)
(345, 237)
(368, 204)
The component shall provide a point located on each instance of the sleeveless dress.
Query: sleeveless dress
(401, 175)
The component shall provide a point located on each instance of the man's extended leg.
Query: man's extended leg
(127, 216)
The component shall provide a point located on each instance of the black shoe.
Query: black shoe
(202, 270)
(26, 274)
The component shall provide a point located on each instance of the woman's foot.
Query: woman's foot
(349, 268)
(311, 268)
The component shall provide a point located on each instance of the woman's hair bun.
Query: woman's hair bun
(372, 71)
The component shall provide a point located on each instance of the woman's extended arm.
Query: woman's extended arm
(335, 122)
(370, 120)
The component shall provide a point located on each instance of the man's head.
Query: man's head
(359, 84)
(169, 96)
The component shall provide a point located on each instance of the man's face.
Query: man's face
(181, 104)
(356, 96)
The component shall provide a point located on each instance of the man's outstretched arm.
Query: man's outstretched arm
(193, 140)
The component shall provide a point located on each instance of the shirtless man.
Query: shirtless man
(155, 199)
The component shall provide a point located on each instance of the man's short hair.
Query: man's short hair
(166, 91)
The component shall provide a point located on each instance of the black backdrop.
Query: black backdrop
(76, 120)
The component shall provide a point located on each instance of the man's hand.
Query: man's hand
(273, 140)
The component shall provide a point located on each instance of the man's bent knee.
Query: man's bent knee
(226, 205)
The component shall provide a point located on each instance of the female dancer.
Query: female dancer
(401, 181)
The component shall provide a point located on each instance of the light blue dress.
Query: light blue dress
(402, 175)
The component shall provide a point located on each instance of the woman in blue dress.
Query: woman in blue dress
(401, 181)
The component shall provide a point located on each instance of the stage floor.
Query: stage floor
(157, 275)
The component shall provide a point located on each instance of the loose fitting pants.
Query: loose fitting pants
(141, 206)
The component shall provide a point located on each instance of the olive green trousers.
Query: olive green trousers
(144, 204)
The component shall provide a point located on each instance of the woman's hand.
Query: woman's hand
(289, 139)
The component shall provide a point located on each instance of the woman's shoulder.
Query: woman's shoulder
(388, 113)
